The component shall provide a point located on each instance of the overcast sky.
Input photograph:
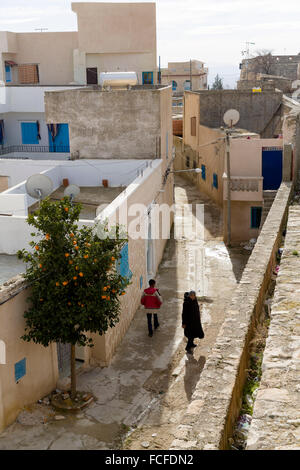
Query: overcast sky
(214, 31)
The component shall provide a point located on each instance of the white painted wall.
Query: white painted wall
(14, 230)
(80, 172)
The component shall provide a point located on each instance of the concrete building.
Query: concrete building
(121, 136)
(111, 37)
(135, 123)
(179, 75)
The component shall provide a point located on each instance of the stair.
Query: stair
(269, 197)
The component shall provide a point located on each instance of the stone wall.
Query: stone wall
(216, 401)
(123, 124)
(276, 414)
(256, 109)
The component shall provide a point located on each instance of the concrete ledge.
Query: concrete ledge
(217, 395)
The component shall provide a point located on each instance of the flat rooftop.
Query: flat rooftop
(10, 266)
(90, 197)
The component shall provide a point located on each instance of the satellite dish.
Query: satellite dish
(72, 191)
(39, 186)
(231, 117)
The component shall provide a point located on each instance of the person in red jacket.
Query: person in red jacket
(151, 299)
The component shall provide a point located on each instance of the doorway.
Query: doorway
(271, 168)
(92, 76)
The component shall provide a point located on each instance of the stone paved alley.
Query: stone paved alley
(142, 395)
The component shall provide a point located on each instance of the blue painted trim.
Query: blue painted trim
(20, 369)
(256, 213)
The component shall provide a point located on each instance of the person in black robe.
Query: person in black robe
(191, 321)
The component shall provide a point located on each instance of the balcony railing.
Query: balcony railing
(34, 149)
(244, 187)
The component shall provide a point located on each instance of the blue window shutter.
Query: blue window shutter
(20, 369)
(203, 172)
(29, 133)
(8, 78)
(123, 264)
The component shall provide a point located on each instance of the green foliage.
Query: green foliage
(75, 287)
(218, 83)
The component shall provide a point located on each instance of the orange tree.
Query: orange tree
(75, 285)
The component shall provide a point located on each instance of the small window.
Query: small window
(187, 161)
(193, 126)
(187, 85)
(203, 172)
(256, 216)
(174, 85)
(194, 164)
(215, 180)
(123, 263)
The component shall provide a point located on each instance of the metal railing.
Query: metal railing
(34, 149)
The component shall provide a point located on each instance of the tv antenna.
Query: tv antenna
(39, 186)
(41, 29)
(72, 191)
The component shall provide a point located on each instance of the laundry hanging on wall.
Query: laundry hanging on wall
(53, 129)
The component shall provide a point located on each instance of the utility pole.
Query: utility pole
(228, 187)
(191, 77)
(231, 117)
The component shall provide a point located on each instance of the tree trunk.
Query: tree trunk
(73, 372)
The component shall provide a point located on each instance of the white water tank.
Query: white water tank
(118, 79)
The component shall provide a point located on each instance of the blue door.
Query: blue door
(271, 168)
(29, 133)
(61, 141)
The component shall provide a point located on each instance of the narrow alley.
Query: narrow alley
(141, 397)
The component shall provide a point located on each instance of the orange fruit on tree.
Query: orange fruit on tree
(81, 274)
(113, 258)
(37, 247)
(72, 235)
(70, 262)
(47, 236)
(40, 265)
(76, 267)
(66, 209)
(76, 247)
(95, 260)
(75, 277)
(86, 256)
(65, 283)
(67, 255)
(74, 242)
(105, 289)
(103, 296)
